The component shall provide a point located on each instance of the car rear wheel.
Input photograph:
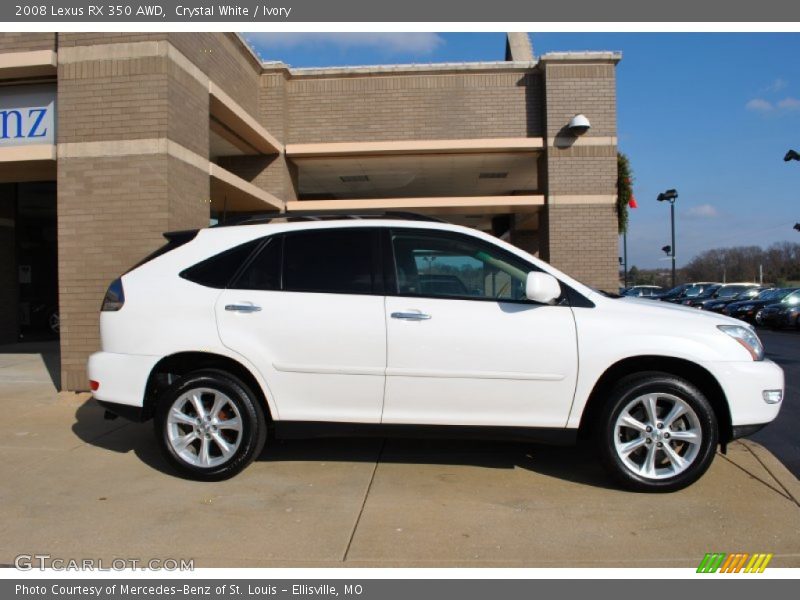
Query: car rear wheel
(658, 433)
(210, 425)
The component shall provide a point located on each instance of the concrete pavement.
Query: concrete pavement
(75, 485)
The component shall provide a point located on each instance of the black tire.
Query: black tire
(253, 430)
(699, 456)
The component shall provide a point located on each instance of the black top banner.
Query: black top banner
(338, 11)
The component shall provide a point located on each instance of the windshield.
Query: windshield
(729, 291)
(771, 294)
(707, 292)
(793, 298)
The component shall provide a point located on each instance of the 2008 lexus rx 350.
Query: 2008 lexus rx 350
(397, 325)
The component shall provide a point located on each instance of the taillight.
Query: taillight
(115, 296)
(94, 385)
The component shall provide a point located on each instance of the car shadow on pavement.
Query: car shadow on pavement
(577, 464)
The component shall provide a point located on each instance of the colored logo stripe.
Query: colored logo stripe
(734, 563)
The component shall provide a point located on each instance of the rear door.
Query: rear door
(308, 311)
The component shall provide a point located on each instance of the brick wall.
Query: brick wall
(26, 42)
(581, 238)
(68, 39)
(221, 57)
(104, 100)
(584, 242)
(414, 106)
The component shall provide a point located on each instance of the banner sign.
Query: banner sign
(27, 115)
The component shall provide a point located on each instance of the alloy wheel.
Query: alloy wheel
(657, 436)
(204, 427)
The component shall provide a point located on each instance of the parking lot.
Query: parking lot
(76, 485)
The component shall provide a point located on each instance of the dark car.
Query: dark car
(706, 293)
(781, 314)
(719, 304)
(724, 292)
(746, 310)
(643, 291)
(682, 291)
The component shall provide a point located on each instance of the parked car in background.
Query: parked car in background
(679, 292)
(693, 291)
(643, 291)
(707, 293)
(718, 304)
(728, 291)
(746, 310)
(781, 314)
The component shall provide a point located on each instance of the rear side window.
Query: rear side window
(217, 271)
(263, 272)
(343, 261)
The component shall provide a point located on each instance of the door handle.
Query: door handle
(411, 316)
(243, 308)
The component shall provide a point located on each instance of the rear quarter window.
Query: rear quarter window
(219, 270)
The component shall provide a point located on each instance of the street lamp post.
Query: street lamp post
(670, 196)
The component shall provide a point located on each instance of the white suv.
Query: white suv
(401, 325)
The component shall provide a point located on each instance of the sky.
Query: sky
(709, 114)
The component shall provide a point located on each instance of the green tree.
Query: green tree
(624, 191)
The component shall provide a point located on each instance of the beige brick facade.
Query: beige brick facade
(136, 149)
(581, 231)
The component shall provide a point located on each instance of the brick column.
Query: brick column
(133, 151)
(580, 217)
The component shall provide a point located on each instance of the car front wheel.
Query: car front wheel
(210, 425)
(658, 433)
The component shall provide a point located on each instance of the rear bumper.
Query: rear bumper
(122, 378)
(126, 411)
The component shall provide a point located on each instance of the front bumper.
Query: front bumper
(744, 384)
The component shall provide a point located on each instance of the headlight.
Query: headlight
(746, 337)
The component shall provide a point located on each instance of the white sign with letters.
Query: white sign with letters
(27, 115)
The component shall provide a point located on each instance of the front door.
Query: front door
(465, 347)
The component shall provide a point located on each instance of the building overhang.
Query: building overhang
(461, 205)
(25, 65)
(233, 123)
(33, 162)
(334, 149)
(230, 192)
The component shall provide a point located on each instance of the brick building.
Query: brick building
(107, 140)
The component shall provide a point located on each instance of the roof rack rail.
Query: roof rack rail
(313, 215)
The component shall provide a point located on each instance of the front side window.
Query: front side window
(450, 265)
(339, 261)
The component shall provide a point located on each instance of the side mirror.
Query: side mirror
(542, 287)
